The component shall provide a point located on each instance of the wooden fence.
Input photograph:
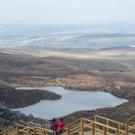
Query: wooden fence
(97, 126)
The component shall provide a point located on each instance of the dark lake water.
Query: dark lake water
(70, 102)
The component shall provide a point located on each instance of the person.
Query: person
(60, 126)
(54, 125)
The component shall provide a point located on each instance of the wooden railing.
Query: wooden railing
(12, 131)
(130, 125)
(97, 126)
(29, 128)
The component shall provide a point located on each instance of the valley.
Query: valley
(113, 76)
(81, 62)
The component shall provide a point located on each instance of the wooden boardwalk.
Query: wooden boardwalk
(97, 126)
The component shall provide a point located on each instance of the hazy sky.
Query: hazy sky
(67, 11)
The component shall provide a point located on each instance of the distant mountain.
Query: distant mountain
(71, 41)
(128, 48)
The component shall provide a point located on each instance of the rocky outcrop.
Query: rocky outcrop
(19, 98)
(10, 118)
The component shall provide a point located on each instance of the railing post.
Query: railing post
(95, 120)
(68, 130)
(126, 129)
(93, 129)
(107, 124)
(34, 131)
(44, 132)
(117, 131)
(105, 131)
(17, 129)
(81, 126)
(28, 130)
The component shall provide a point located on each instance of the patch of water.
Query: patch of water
(70, 102)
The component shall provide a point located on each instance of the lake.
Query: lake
(70, 102)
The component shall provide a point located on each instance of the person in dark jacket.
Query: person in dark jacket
(54, 126)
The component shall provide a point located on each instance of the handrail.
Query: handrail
(74, 121)
(130, 119)
(108, 119)
(35, 124)
(87, 120)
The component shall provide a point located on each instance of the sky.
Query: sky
(67, 11)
